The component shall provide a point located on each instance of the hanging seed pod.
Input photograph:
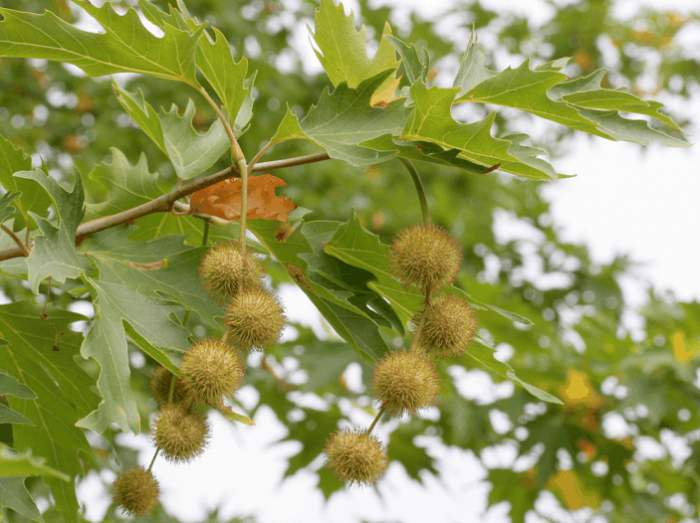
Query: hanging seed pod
(136, 491)
(255, 319)
(447, 326)
(225, 271)
(181, 435)
(356, 457)
(425, 256)
(405, 382)
(210, 369)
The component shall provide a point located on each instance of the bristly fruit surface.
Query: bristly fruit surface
(425, 256)
(136, 491)
(225, 271)
(447, 327)
(210, 369)
(405, 382)
(255, 319)
(356, 457)
(180, 434)
(161, 381)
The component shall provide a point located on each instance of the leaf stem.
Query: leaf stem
(16, 239)
(165, 202)
(205, 232)
(420, 189)
(376, 420)
(264, 149)
(153, 459)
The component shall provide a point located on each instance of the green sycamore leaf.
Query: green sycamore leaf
(415, 61)
(431, 121)
(581, 103)
(40, 352)
(9, 386)
(23, 464)
(342, 49)
(7, 211)
(190, 152)
(118, 185)
(12, 160)
(107, 343)
(54, 254)
(163, 270)
(15, 496)
(343, 119)
(356, 328)
(123, 45)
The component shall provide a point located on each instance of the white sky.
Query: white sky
(624, 200)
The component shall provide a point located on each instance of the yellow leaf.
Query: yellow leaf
(567, 485)
(578, 391)
(681, 352)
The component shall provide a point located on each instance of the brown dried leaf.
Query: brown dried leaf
(223, 199)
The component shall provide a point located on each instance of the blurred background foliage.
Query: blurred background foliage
(620, 386)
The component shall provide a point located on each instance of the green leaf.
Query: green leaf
(362, 333)
(9, 386)
(12, 160)
(15, 496)
(40, 353)
(415, 61)
(7, 211)
(431, 121)
(226, 76)
(343, 119)
(123, 45)
(342, 49)
(54, 254)
(402, 448)
(22, 464)
(190, 151)
(117, 186)
(581, 104)
(162, 270)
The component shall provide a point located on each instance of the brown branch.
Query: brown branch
(20, 245)
(165, 202)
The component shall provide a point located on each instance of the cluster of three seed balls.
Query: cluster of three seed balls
(426, 257)
(209, 370)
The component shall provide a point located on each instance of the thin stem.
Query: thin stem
(238, 159)
(153, 459)
(15, 238)
(266, 147)
(376, 420)
(205, 232)
(420, 189)
(165, 202)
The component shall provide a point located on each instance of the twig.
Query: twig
(15, 238)
(420, 189)
(375, 420)
(166, 201)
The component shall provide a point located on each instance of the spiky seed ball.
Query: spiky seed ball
(447, 326)
(160, 387)
(225, 271)
(210, 369)
(405, 382)
(254, 319)
(356, 457)
(425, 256)
(180, 434)
(136, 491)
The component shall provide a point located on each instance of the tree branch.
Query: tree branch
(165, 202)
(20, 245)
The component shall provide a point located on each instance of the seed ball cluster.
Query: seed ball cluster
(428, 258)
(225, 270)
(447, 326)
(136, 491)
(180, 434)
(255, 319)
(356, 457)
(425, 256)
(405, 382)
(209, 370)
